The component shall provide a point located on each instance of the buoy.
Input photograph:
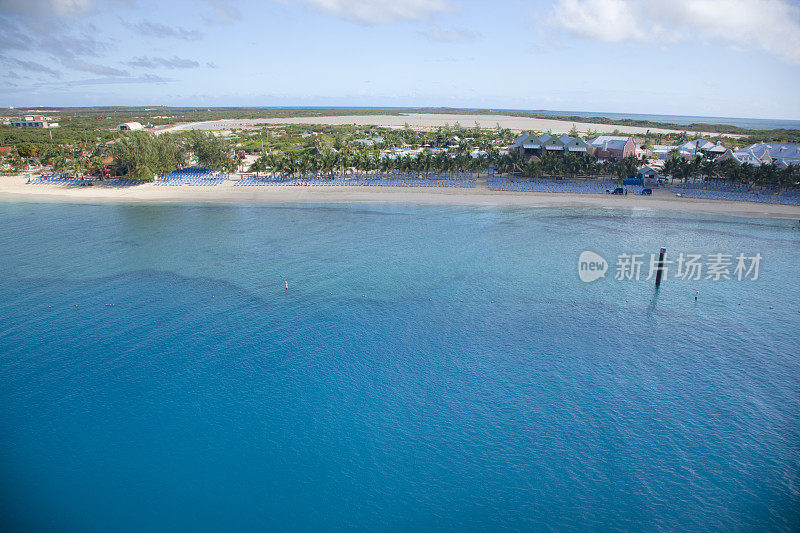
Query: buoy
(660, 267)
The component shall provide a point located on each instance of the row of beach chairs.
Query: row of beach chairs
(200, 181)
(370, 182)
(51, 179)
(394, 179)
(717, 185)
(58, 179)
(191, 176)
(558, 186)
(766, 197)
(191, 172)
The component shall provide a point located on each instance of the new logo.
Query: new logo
(591, 266)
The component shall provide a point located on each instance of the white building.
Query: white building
(781, 154)
(131, 126)
(33, 121)
(700, 147)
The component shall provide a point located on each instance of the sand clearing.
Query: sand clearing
(429, 121)
(15, 188)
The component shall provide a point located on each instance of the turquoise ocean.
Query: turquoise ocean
(428, 368)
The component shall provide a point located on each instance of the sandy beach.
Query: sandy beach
(15, 188)
(428, 122)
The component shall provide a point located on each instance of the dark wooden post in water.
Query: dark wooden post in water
(660, 268)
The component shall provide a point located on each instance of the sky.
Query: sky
(726, 58)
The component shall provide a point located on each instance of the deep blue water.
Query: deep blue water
(429, 368)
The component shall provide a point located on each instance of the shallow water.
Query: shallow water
(429, 367)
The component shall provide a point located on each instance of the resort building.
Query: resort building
(612, 147)
(526, 144)
(649, 175)
(661, 151)
(370, 141)
(574, 144)
(33, 121)
(701, 147)
(130, 126)
(532, 145)
(780, 154)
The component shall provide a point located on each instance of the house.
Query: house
(574, 144)
(370, 141)
(649, 175)
(527, 144)
(131, 126)
(662, 151)
(552, 144)
(700, 147)
(5, 149)
(612, 147)
(534, 145)
(781, 154)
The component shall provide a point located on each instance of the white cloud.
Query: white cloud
(93, 68)
(439, 35)
(379, 11)
(769, 25)
(59, 8)
(155, 29)
(223, 12)
(43, 27)
(164, 62)
(31, 66)
(602, 20)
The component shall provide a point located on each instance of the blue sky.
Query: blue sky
(736, 58)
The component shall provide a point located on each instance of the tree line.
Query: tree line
(142, 156)
(711, 169)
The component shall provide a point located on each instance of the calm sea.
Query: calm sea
(748, 123)
(429, 368)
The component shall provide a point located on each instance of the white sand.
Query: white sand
(15, 188)
(429, 121)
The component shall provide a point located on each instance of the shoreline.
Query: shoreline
(14, 188)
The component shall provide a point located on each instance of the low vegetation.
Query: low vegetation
(88, 143)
